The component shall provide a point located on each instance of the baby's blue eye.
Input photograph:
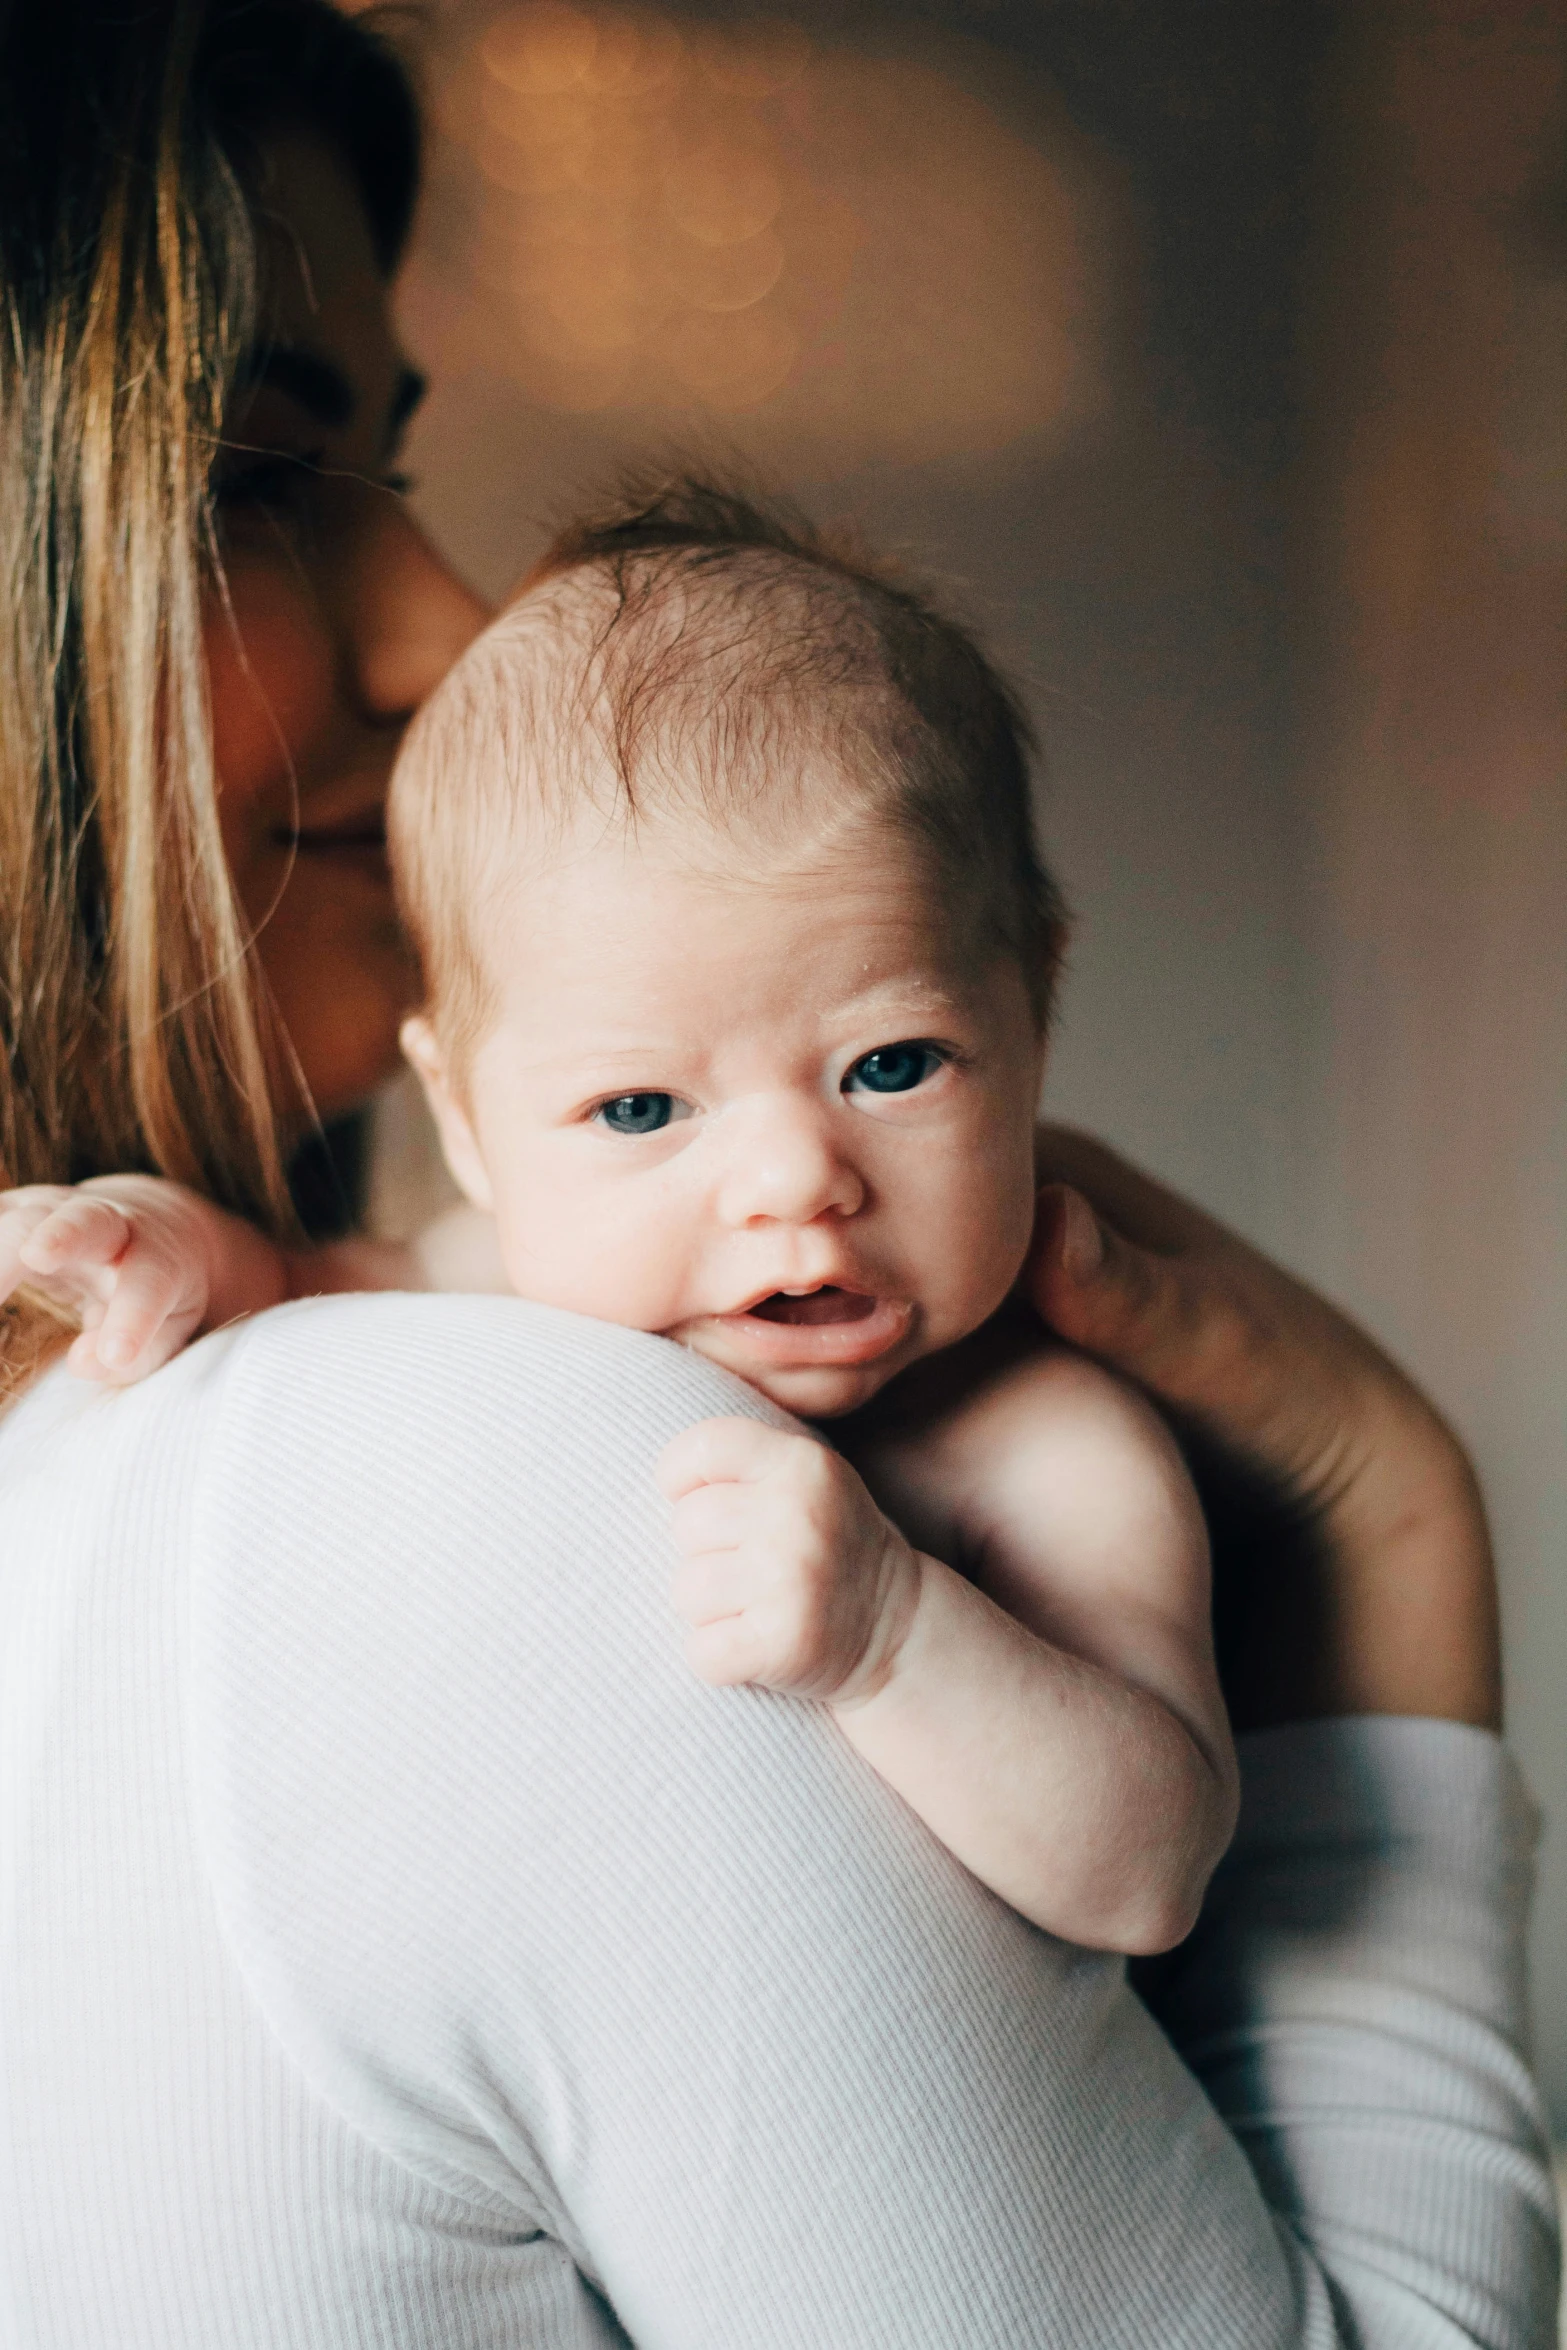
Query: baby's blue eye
(636, 1113)
(893, 1068)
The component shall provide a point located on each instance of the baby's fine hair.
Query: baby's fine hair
(691, 651)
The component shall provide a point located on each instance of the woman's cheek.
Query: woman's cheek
(272, 677)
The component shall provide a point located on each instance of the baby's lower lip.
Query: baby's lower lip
(827, 1325)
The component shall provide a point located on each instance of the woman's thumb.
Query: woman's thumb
(1098, 1290)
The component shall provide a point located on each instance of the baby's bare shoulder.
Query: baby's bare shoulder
(1046, 1448)
(1051, 1404)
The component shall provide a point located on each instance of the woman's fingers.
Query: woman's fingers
(1403, 1617)
(1194, 1327)
(1131, 1273)
(1140, 1209)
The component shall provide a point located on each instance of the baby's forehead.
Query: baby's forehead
(625, 919)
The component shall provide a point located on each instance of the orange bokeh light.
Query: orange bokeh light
(659, 215)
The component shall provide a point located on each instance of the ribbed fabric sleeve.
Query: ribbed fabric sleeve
(1354, 2004)
(398, 1947)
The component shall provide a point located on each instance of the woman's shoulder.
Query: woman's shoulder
(438, 1700)
(454, 1448)
(412, 1361)
(399, 1344)
(353, 1385)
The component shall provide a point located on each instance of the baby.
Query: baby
(738, 955)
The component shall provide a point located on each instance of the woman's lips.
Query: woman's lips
(358, 846)
(826, 1325)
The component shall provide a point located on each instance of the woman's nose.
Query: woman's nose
(786, 1168)
(409, 615)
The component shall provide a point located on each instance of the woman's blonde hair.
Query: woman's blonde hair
(133, 1027)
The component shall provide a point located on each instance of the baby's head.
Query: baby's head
(737, 946)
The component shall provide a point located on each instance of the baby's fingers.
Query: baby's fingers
(60, 1238)
(703, 1589)
(727, 1652)
(713, 1518)
(87, 1234)
(16, 1225)
(721, 1452)
(150, 1316)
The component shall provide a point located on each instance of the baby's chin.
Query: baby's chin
(820, 1391)
(812, 1391)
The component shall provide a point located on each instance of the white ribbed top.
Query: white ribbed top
(399, 1950)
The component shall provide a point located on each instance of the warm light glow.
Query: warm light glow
(755, 62)
(658, 216)
(724, 277)
(723, 192)
(541, 51)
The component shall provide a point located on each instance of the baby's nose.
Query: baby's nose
(787, 1168)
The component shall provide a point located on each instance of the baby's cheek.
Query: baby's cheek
(573, 1251)
(983, 1245)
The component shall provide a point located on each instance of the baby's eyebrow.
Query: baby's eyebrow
(598, 1056)
(922, 995)
(904, 1003)
(593, 1067)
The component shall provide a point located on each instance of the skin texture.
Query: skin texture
(1389, 1608)
(338, 619)
(642, 963)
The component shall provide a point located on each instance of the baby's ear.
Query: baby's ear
(426, 1056)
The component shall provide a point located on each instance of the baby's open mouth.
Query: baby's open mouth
(817, 1305)
(817, 1328)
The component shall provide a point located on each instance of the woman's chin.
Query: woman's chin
(344, 1042)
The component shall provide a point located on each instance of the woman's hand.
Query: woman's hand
(1392, 1609)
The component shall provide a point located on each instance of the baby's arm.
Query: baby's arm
(1055, 1719)
(1089, 1774)
(148, 1265)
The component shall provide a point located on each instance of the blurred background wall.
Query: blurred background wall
(1213, 354)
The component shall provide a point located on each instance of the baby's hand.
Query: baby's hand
(129, 1253)
(792, 1577)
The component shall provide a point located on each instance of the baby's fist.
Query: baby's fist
(127, 1254)
(791, 1575)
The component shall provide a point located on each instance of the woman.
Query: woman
(146, 417)
(397, 1948)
